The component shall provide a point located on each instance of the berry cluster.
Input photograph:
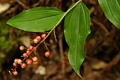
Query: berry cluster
(26, 57)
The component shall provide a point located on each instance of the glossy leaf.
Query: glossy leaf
(76, 29)
(38, 19)
(111, 9)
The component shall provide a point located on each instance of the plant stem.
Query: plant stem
(72, 7)
(65, 13)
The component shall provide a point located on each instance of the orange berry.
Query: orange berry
(28, 52)
(34, 58)
(29, 61)
(22, 48)
(23, 65)
(35, 41)
(35, 62)
(15, 64)
(24, 55)
(38, 38)
(43, 35)
(19, 61)
(16, 60)
(15, 73)
(31, 48)
(47, 54)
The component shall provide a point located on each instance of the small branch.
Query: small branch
(114, 61)
(36, 4)
(46, 46)
(23, 5)
(101, 25)
(72, 7)
(61, 53)
(11, 10)
(55, 35)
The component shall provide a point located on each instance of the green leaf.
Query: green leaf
(76, 29)
(38, 19)
(111, 9)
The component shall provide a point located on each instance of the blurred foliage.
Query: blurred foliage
(6, 42)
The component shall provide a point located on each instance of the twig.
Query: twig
(101, 25)
(36, 4)
(55, 35)
(11, 10)
(23, 5)
(114, 61)
(61, 53)
(46, 46)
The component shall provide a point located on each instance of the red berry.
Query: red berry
(47, 54)
(15, 73)
(43, 35)
(35, 58)
(22, 48)
(24, 55)
(15, 64)
(38, 38)
(29, 61)
(23, 65)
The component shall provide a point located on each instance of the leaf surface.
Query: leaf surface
(111, 8)
(38, 19)
(76, 29)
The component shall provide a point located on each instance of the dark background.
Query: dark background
(102, 46)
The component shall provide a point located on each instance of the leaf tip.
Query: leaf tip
(8, 22)
(78, 73)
